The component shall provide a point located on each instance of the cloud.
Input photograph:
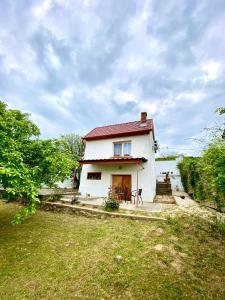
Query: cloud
(212, 69)
(75, 65)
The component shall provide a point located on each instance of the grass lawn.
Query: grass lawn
(61, 256)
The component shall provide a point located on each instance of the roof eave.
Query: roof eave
(115, 135)
(113, 161)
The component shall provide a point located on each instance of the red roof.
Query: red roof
(120, 130)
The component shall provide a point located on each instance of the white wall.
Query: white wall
(142, 146)
(169, 166)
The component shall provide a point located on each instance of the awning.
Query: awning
(119, 160)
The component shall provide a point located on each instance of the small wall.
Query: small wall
(88, 212)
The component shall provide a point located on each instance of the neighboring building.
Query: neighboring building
(122, 157)
(164, 166)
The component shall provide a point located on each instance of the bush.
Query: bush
(53, 198)
(204, 177)
(111, 203)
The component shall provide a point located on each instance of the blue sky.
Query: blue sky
(75, 65)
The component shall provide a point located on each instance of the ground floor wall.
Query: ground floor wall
(100, 188)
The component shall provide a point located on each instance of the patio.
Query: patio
(146, 206)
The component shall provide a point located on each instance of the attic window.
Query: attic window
(94, 175)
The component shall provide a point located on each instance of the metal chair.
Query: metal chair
(139, 195)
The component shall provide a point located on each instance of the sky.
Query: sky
(78, 64)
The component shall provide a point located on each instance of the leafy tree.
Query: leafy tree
(26, 161)
(221, 110)
(77, 146)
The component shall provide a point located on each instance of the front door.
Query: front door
(121, 185)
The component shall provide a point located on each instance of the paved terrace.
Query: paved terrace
(162, 203)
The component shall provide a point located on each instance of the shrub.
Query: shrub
(53, 198)
(111, 203)
(204, 177)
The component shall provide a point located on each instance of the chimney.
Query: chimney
(143, 117)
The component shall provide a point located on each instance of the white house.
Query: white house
(122, 157)
(170, 166)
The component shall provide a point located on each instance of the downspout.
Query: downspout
(137, 197)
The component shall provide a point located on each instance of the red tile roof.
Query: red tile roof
(120, 130)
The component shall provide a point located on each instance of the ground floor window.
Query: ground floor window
(94, 175)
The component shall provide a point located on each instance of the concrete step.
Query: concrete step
(65, 200)
(68, 196)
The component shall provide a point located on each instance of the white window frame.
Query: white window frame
(122, 152)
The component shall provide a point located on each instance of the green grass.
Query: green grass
(62, 256)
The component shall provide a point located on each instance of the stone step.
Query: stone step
(68, 196)
(65, 200)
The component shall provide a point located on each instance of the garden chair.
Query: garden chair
(139, 195)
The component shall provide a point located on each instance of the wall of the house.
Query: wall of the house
(142, 146)
(174, 173)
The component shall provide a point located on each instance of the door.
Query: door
(121, 185)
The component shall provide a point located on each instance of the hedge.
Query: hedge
(204, 177)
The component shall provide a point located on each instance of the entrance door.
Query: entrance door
(121, 185)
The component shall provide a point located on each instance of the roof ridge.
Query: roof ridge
(120, 124)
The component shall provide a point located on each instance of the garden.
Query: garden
(62, 256)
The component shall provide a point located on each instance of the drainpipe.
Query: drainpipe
(137, 197)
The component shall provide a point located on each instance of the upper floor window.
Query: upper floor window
(122, 148)
(118, 149)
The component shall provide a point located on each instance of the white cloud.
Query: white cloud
(212, 70)
(194, 97)
(164, 58)
(150, 108)
(42, 9)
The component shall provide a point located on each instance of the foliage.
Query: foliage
(53, 198)
(77, 146)
(221, 110)
(53, 158)
(212, 168)
(26, 162)
(111, 203)
(190, 177)
(169, 157)
(204, 177)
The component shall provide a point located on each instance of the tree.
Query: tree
(220, 110)
(26, 161)
(77, 146)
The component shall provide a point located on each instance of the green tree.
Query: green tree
(77, 146)
(26, 162)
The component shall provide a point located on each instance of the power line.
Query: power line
(181, 148)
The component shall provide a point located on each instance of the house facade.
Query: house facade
(120, 157)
